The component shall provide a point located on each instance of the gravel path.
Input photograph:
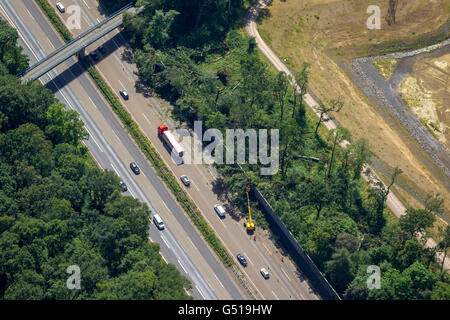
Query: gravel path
(383, 94)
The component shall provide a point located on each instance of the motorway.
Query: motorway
(285, 282)
(392, 201)
(113, 149)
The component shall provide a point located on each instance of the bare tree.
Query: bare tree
(324, 116)
(390, 17)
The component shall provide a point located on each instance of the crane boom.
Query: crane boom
(250, 225)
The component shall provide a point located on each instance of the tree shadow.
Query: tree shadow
(143, 88)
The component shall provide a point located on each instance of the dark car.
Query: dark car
(241, 259)
(94, 55)
(135, 168)
(185, 181)
(102, 49)
(123, 185)
(124, 94)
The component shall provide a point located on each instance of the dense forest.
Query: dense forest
(57, 209)
(194, 54)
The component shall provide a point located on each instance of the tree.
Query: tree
(360, 154)
(379, 193)
(64, 126)
(444, 244)
(301, 88)
(339, 269)
(317, 194)
(441, 291)
(10, 53)
(337, 135)
(158, 29)
(281, 87)
(415, 222)
(251, 45)
(335, 106)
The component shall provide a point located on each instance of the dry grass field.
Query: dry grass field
(329, 33)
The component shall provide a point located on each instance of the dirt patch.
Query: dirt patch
(327, 33)
(427, 92)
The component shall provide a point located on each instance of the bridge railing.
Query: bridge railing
(81, 35)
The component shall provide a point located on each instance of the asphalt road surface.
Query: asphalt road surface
(113, 149)
(286, 282)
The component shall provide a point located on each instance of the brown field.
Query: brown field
(327, 33)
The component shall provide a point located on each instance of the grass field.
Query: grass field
(329, 33)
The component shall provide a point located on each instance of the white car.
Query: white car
(158, 222)
(264, 273)
(220, 210)
(60, 7)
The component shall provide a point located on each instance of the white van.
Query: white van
(60, 7)
(158, 221)
(220, 211)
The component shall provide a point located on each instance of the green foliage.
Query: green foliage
(11, 58)
(58, 210)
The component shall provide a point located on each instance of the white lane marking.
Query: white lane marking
(246, 257)
(90, 134)
(29, 12)
(266, 247)
(285, 274)
(192, 243)
(195, 186)
(146, 118)
(132, 194)
(51, 44)
(165, 205)
(200, 291)
(117, 137)
(92, 101)
(114, 168)
(219, 281)
(86, 4)
(182, 267)
(164, 239)
(275, 295)
(121, 84)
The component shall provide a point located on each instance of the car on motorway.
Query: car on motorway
(60, 7)
(94, 55)
(135, 168)
(185, 181)
(158, 221)
(123, 185)
(264, 273)
(124, 94)
(102, 49)
(220, 210)
(241, 259)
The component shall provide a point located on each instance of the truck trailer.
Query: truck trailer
(167, 137)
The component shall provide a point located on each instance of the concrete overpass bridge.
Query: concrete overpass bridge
(77, 45)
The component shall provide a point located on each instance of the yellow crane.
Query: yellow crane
(250, 225)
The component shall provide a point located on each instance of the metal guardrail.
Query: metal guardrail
(70, 42)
